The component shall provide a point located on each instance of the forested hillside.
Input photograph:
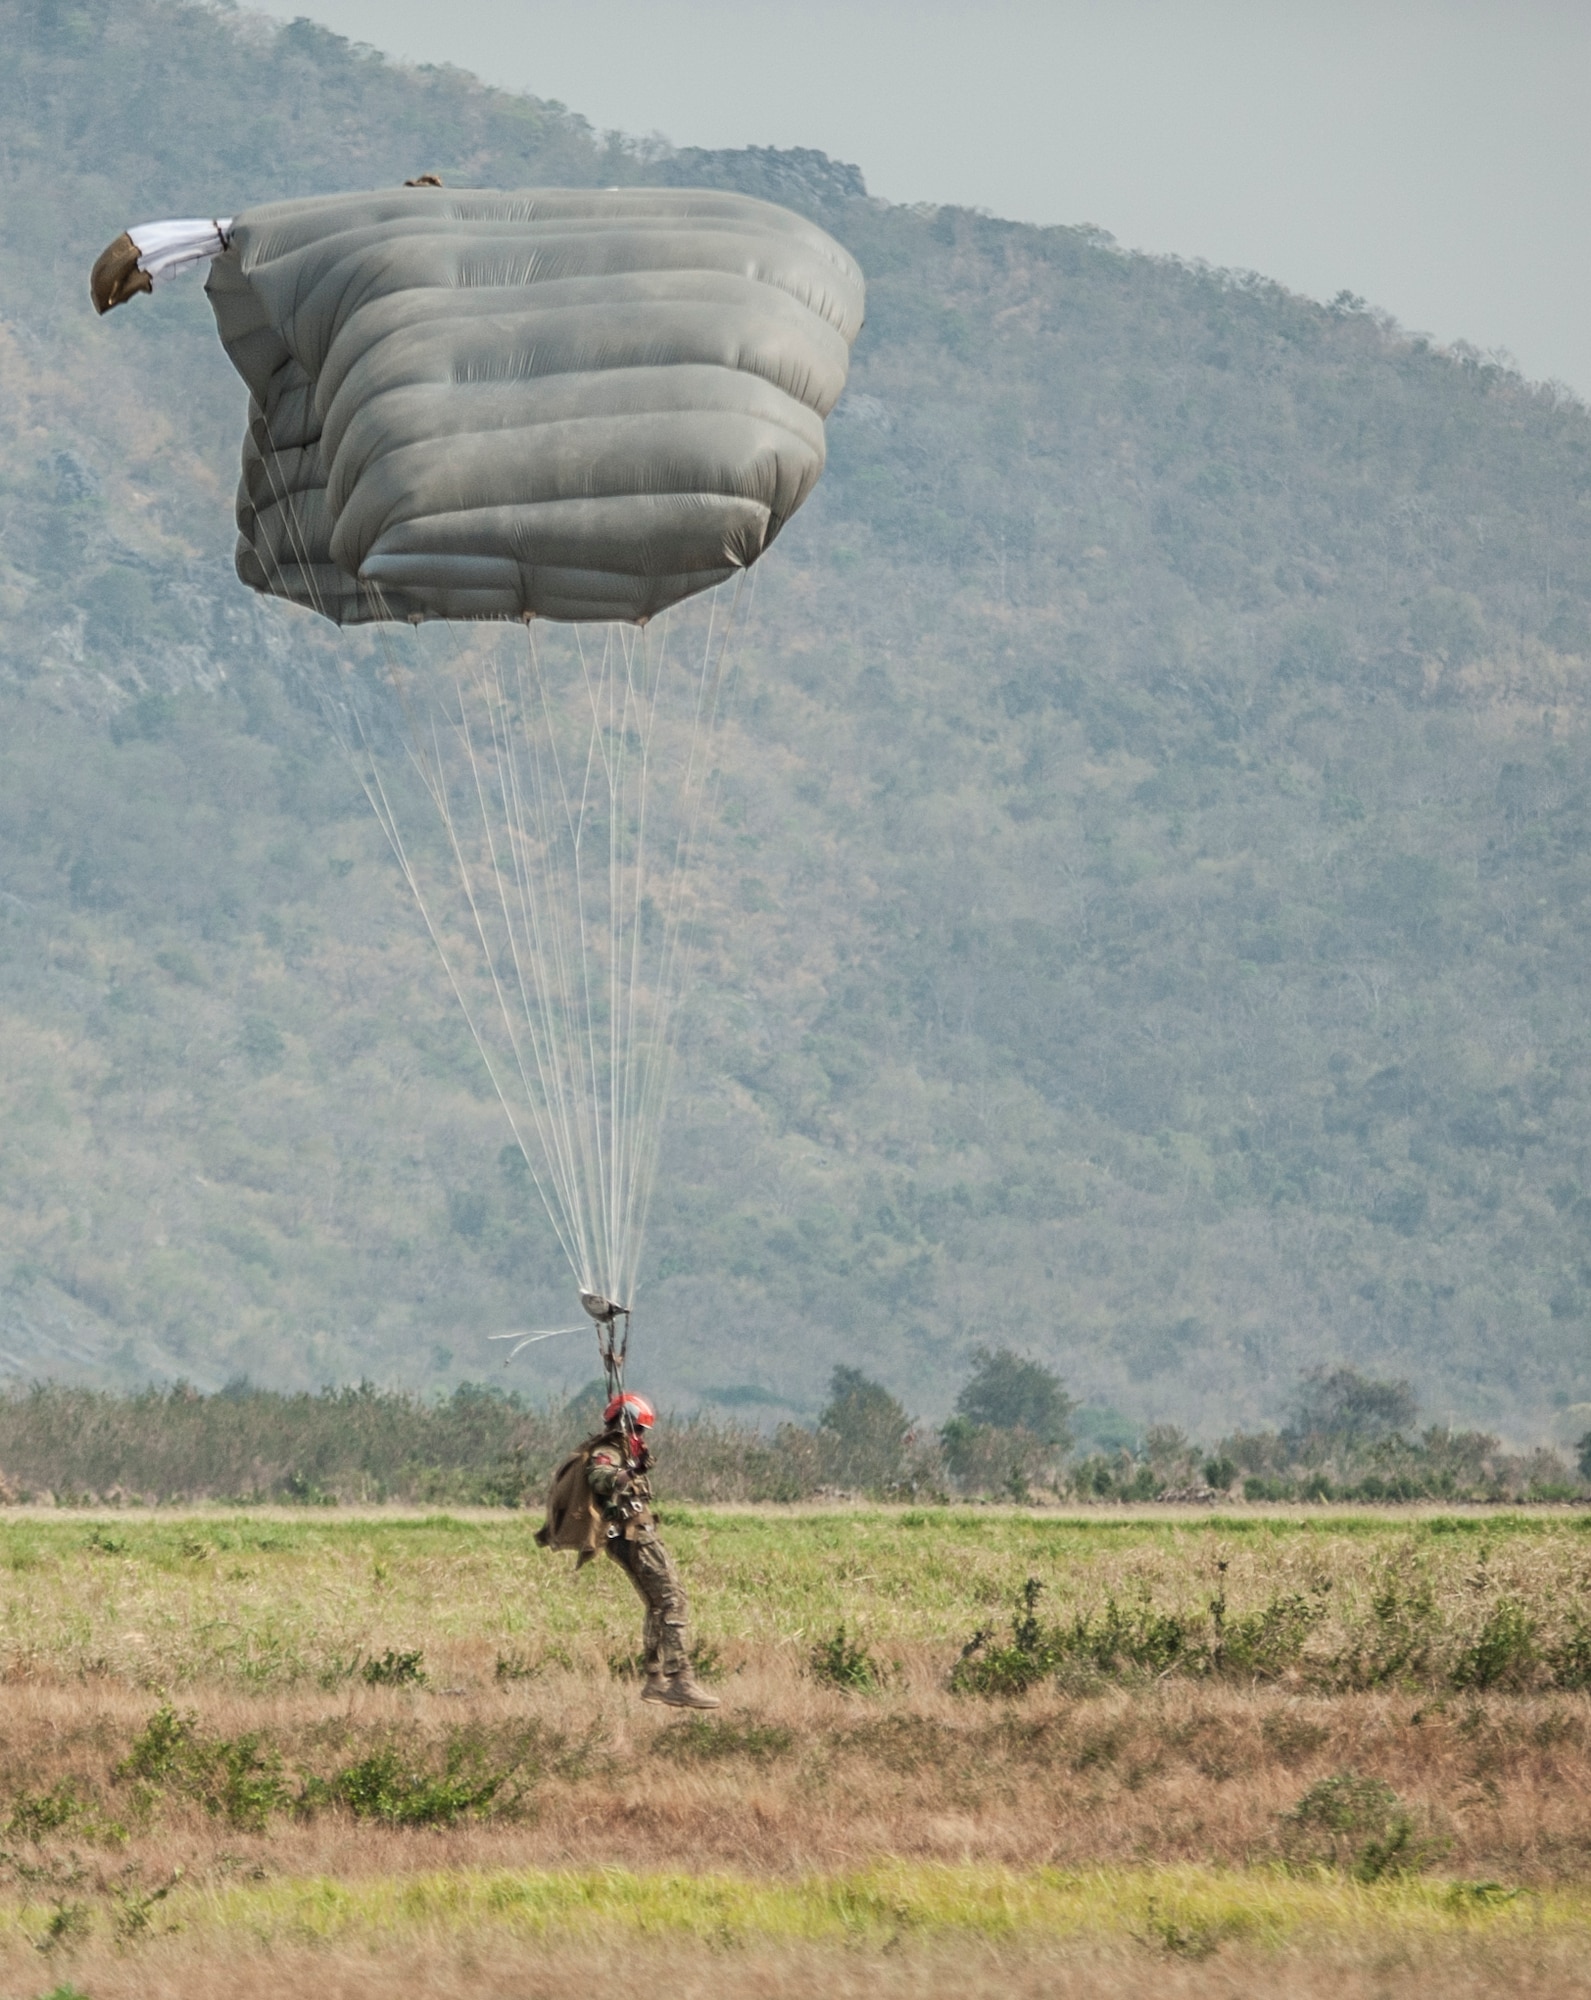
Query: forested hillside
(1157, 828)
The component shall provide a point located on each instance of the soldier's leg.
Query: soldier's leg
(645, 1562)
(623, 1553)
(667, 1614)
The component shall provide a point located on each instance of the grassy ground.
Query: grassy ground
(383, 1750)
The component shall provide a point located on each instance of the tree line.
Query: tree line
(1013, 1436)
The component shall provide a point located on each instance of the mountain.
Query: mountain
(1154, 862)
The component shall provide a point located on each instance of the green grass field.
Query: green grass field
(283, 1600)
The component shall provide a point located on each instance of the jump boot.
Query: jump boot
(682, 1691)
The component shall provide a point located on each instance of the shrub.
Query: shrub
(243, 1782)
(982, 1459)
(386, 1786)
(841, 1662)
(1569, 1660)
(1503, 1653)
(1258, 1486)
(1266, 1642)
(1135, 1641)
(68, 1925)
(706, 1664)
(162, 1748)
(1338, 1406)
(1135, 1638)
(698, 1741)
(34, 1816)
(1403, 1627)
(987, 1669)
(394, 1669)
(237, 1778)
(1358, 1825)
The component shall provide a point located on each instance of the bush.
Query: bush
(981, 1459)
(1136, 1641)
(1358, 1825)
(237, 1778)
(394, 1669)
(841, 1662)
(699, 1741)
(1265, 1643)
(386, 1786)
(1503, 1653)
(1342, 1407)
(37, 1815)
(987, 1669)
(1397, 1643)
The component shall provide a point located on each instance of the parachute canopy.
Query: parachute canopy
(565, 403)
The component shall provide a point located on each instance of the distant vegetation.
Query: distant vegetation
(1350, 1440)
(1150, 912)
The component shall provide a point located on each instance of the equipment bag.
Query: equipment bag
(574, 1517)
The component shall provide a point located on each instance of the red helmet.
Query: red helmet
(636, 1409)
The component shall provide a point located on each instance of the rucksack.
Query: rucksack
(574, 1516)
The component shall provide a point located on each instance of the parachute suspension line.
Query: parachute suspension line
(540, 950)
(291, 521)
(678, 925)
(596, 1032)
(359, 750)
(590, 1043)
(433, 775)
(627, 1130)
(626, 914)
(546, 1101)
(368, 770)
(562, 827)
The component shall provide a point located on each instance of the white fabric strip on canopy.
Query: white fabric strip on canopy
(165, 249)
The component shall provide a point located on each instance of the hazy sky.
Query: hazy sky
(1431, 155)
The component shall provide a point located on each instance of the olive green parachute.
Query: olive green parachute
(562, 403)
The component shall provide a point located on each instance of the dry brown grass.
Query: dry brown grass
(473, 1969)
(793, 1777)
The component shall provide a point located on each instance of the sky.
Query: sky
(1431, 156)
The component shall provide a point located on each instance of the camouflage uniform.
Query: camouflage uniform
(630, 1536)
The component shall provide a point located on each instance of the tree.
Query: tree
(1009, 1393)
(865, 1429)
(1339, 1406)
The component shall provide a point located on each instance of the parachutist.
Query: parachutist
(601, 1493)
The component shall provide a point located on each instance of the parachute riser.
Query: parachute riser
(612, 1345)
